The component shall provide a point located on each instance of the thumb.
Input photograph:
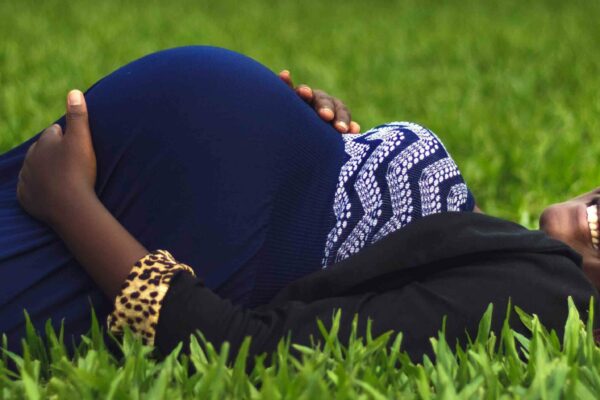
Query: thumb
(77, 116)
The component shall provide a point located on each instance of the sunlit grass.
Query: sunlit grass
(505, 364)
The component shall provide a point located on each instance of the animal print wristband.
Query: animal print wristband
(139, 302)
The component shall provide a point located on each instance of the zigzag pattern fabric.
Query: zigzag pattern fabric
(394, 174)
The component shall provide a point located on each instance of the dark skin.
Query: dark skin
(329, 108)
(567, 221)
(56, 186)
(67, 202)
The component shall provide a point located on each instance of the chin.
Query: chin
(567, 222)
(550, 221)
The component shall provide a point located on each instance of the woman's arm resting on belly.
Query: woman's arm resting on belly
(56, 185)
(100, 243)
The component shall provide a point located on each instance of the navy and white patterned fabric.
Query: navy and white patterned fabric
(394, 174)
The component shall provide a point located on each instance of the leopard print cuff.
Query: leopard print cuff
(138, 305)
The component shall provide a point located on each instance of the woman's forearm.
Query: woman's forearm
(99, 242)
(56, 185)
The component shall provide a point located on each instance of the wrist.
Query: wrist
(73, 209)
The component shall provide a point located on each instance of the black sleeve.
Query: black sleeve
(460, 291)
(189, 307)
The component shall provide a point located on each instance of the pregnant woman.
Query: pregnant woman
(208, 156)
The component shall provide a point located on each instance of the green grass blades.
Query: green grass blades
(511, 87)
(506, 366)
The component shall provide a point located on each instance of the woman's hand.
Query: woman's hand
(329, 108)
(59, 169)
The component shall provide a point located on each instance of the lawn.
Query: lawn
(511, 87)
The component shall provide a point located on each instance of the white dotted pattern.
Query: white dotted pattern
(341, 203)
(385, 150)
(369, 192)
(429, 184)
(457, 196)
(397, 179)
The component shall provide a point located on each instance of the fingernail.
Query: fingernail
(306, 90)
(328, 111)
(75, 98)
(53, 129)
(342, 126)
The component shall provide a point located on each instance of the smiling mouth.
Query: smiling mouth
(592, 218)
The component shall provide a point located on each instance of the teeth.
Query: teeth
(592, 217)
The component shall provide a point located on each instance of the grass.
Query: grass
(509, 365)
(512, 87)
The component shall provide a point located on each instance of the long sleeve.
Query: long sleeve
(162, 302)
(190, 307)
